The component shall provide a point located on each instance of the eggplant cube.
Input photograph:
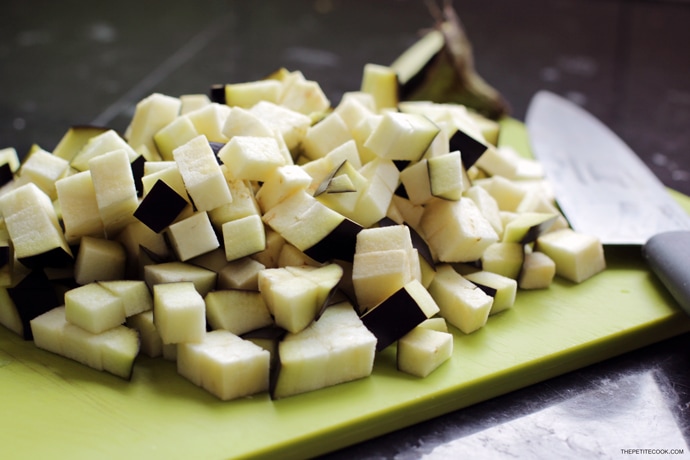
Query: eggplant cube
(415, 179)
(470, 142)
(295, 296)
(378, 274)
(100, 144)
(94, 308)
(456, 231)
(151, 344)
(501, 288)
(113, 351)
(44, 169)
(243, 203)
(251, 157)
(193, 236)
(240, 274)
(499, 162)
(179, 312)
(204, 280)
(33, 227)
(116, 193)
(326, 278)
(291, 299)
(118, 348)
(225, 365)
(538, 271)
(79, 206)
(302, 220)
(48, 329)
(237, 311)
(462, 303)
(6, 173)
(151, 114)
(578, 256)
(324, 136)
(247, 94)
(402, 136)
(423, 350)
(446, 175)
(99, 259)
(74, 140)
(160, 207)
(304, 96)
(398, 314)
(504, 259)
(164, 171)
(241, 122)
(192, 102)
(382, 83)
(281, 183)
(487, 206)
(243, 237)
(209, 121)
(527, 226)
(507, 193)
(289, 124)
(385, 260)
(352, 110)
(178, 132)
(335, 349)
(135, 295)
(201, 174)
(31, 297)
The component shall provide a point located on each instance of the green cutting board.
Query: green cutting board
(52, 407)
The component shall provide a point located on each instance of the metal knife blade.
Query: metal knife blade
(605, 189)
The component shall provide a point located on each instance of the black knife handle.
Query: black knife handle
(668, 255)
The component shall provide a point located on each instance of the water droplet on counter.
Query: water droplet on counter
(680, 176)
(576, 97)
(582, 66)
(19, 123)
(659, 159)
(550, 74)
(102, 32)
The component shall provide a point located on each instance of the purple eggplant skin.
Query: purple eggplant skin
(137, 173)
(217, 93)
(537, 230)
(339, 244)
(6, 174)
(33, 296)
(54, 258)
(393, 318)
(418, 242)
(471, 148)
(160, 207)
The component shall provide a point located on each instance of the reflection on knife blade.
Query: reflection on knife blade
(601, 185)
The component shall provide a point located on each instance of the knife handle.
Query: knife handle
(668, 255)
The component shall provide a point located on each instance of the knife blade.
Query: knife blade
(604, 189)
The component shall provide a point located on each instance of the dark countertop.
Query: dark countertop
(626, 61)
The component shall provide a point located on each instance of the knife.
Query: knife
(604, 189)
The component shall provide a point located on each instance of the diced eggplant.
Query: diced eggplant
(6, 174)
(339, 244)
(160, 207)
(217, 93)
(399, 314)
(138, 173)
(33, 296)
(470, 146)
